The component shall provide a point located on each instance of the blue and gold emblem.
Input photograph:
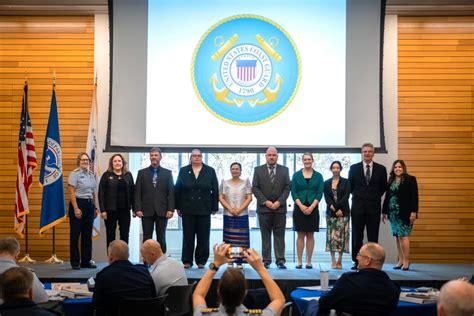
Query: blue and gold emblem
(246, 69)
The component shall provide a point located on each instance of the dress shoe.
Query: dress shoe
(89, 266)
(266, 265)
(397, 267)
(200, 266)
(406, 268)
(354, 267)
(308, 266)
(76, 267)
(281, 265)
(186, 265)
(299, 266)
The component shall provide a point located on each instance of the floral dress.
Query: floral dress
(337, 232)
(399, 227)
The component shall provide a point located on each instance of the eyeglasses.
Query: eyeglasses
(361, 255)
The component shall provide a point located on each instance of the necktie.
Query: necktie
(272, 174)
(155, 177)
(367, 174)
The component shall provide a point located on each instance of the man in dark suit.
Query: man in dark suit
(154, 198)
(120, 280)
(368, 291)
(271, 187)
(368, 184)
(197, 197)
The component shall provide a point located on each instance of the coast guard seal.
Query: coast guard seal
(246, 69)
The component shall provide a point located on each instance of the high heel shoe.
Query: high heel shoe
(397, 267)
(406, 268)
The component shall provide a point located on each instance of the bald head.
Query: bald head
(151, 251)
(456, 298)
(118, 250)
(271, 155)
(371, 255)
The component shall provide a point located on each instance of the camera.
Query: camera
(235, 252)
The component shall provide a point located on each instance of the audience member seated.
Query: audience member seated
(232, 287)
(16, 286)
(120, 280)
(456, 298)
(369, 291)
(165, 271)
(9, 251)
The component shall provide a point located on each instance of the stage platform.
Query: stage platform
(418, 275)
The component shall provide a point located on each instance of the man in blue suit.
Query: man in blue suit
(120, 280)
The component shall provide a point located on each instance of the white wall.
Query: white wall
(389, 102)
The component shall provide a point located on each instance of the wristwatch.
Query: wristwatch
(212, 266)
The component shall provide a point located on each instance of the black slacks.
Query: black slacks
(81, 228)
(123, 218)
(198, 226)
(159, 223)
(360, 221)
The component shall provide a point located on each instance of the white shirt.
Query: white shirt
(167, 272)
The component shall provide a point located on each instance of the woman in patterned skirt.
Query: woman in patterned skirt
(336, 194)
(235, 196)
(401, 208)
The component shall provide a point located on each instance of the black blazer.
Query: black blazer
(154, 200)
(367, 198)
(197, 196)
(264, 190)
(407, 198)
(343, 190)
(108, 191)
(365, 292)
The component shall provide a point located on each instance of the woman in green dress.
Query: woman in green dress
(401, 209)
(307, 187)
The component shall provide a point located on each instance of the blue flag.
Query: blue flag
(53, 205)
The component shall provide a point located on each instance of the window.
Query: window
(221, 163)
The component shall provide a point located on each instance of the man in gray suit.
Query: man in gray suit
(271, 187)
(154, 198)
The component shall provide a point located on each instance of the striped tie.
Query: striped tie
(367, 175)
(272, 174)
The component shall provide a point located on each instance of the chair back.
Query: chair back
(142, 306)
(180, 299)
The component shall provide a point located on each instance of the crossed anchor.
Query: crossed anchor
(270, 95)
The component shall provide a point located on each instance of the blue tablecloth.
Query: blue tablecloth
(75, 307)
(403, 308)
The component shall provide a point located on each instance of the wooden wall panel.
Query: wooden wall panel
(38, 46)
(436, 133)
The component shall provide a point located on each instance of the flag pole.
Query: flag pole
(54, 259)
(26, 259)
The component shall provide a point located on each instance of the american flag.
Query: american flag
(26, 164)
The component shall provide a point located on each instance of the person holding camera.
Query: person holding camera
(232, 287)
